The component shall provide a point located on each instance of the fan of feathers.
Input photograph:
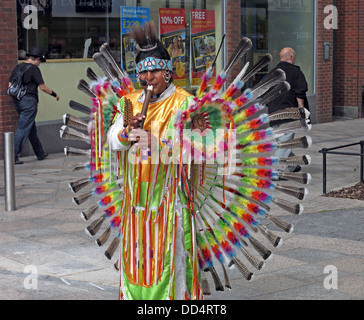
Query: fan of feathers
(240, 209)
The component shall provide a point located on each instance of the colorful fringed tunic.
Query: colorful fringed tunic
(158, 257)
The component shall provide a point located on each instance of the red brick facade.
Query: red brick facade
(233, 32)
(324, 69)
(8, 59)
(349, 59)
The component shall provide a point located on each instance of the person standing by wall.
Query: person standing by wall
(294, 98)
(27, 106)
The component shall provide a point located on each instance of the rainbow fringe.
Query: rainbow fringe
(256, 136)
(253, 124)
(206, 254)
(242, 214)
(258, 148)
(247, 113)
(206, 77)
(214, 246)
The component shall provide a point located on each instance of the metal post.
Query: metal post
(9, 171)
(324, 170)
(361, 161)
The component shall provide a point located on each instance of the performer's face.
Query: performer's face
(154, 78)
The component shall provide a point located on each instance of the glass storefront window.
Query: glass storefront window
(71, 31)
(75, 29)
(275, 24)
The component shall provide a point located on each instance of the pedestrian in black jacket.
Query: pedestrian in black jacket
(27, 106)
(294, 98)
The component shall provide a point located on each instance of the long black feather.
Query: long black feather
(288, 113)
(104, 65)
(75, 122)
(112, 248)
(104, 237)
(263, 62)
(297, 160)
(247, 274)
(106, 52)
(303, 142)
(95, 226)
(79, 184)
(69, 133)
(271, 80)
(218, 51)
(298, 126)
(226, 277)
(296, 192)
(299, 177)
(244, 45)
(294, 208)
(274, 92)
(258, 264)
(260, 248)
(205, 285)
(91, 74)
(82, 198)
(83, 86)
(79, 107)
(275, 240)
(89, 212)
(217, 281)
(281, 224)
(267, 93)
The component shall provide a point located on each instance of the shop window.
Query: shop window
(275, 24)
(69, 30)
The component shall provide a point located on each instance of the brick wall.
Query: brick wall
(349, 59)
(233, 33)
(324, 69)
(8, 59)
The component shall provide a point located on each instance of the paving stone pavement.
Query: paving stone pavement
(46, 255)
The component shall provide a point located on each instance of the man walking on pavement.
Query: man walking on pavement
(27, 106)
(294, 98)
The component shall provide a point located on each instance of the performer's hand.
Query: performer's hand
(134, 122)
(143, 138)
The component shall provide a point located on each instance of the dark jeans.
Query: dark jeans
(27, 110)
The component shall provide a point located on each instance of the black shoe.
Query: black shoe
(297, 169)
(43, 157)
(17, 161)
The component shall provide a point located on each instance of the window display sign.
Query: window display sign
(172, 25)
(93, 6)
(203, 43)
(131, 17)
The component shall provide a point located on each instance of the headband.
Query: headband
(151, 64)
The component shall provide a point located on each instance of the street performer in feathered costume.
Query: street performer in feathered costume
(186, 182)
(153, 257)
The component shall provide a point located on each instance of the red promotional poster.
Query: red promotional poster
(172, 24)
(203, 43)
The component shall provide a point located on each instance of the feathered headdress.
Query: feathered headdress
(151, 54)
(145, 37)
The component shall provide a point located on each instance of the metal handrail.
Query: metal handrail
(325, 151)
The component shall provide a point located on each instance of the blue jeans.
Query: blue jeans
(285, 153)
(27, 110)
